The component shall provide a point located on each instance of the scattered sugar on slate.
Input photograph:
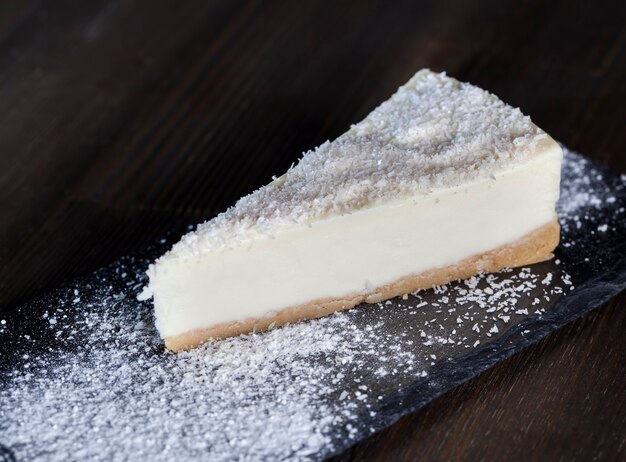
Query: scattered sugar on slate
(274, 395)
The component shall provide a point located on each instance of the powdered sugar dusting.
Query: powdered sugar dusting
(586, 190)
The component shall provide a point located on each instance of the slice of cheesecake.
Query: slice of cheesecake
(440, 182)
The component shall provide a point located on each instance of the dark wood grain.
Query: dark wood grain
(121, 121)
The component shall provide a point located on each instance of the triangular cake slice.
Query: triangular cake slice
(440, 182)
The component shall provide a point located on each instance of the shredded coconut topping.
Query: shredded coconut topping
(434, 132)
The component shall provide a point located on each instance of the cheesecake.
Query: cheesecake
(440, 182)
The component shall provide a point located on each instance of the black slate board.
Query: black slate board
(401, 354)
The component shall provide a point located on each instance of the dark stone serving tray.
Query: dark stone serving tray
(306, 391)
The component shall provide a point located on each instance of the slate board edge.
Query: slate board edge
(567, 310)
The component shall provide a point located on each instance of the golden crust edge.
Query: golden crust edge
(534, 247)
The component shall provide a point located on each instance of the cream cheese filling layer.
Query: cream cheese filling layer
(348, 254)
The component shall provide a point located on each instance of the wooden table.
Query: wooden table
(122, 121)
